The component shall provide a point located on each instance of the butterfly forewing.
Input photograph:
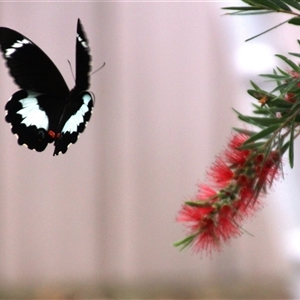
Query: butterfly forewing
(82, 59)
(30, 67)
(45, 110)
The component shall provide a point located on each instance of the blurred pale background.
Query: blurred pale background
(99, 221)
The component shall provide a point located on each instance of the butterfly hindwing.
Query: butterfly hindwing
(80, 111)
(29, 122)
(44, 110)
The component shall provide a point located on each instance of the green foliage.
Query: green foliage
(265, 6)
(277, 113)
(255, 7)
(276, 123)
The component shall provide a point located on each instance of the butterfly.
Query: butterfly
(45, 110)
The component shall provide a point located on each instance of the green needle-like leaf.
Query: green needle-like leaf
(253, 146)
(185, 242)
(284, 147)
(291, 148)
(295, 21)
(266, 121)
(244, 131)
(293, 3)
(242, 8)
(262, 134)
(281, 4)
(288, 61)
(270, 4)
(295, 54)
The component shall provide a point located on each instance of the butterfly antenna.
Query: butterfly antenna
(103, 65)
(70, 65)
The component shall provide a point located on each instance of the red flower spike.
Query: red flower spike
(242, 177)
(216, 231)
(227, 228)
(246, 205)
(237, 141)
(220, 174)
(205, 192)
(193, 213)
(206, 240)
(233, 155)
(269, 170)
(244, 180)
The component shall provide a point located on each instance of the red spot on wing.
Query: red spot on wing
(54, 135)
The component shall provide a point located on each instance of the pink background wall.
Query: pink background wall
(105, 211)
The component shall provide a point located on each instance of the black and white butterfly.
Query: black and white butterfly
(45, 110)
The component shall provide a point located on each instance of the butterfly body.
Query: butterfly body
(45, 110)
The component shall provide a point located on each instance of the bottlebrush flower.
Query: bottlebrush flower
(236, 182)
